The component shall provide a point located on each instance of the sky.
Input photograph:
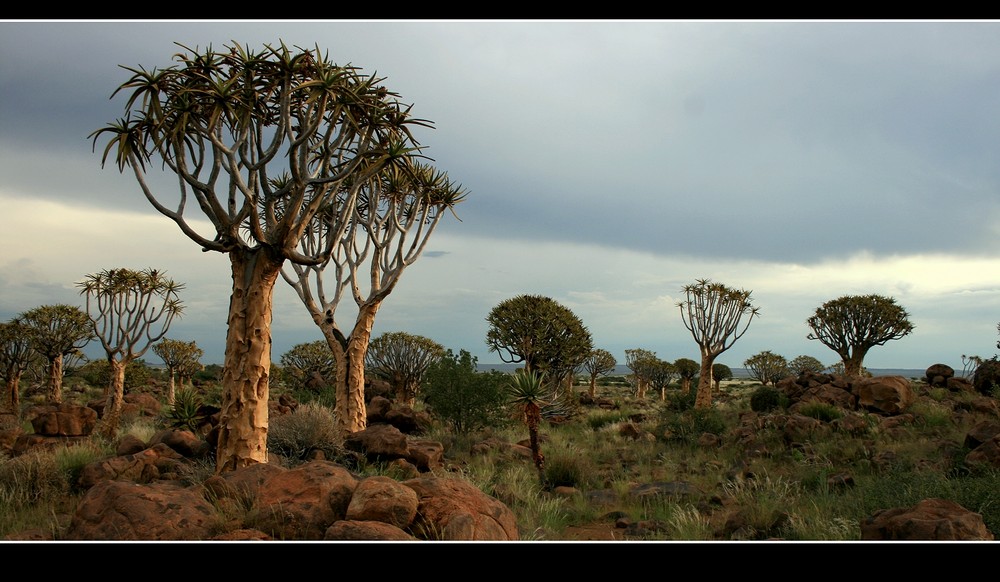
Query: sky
(608, 164)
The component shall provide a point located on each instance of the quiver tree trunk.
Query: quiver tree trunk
(55, 380)
(243, 419)
(703, 398)
(115, 397)
(351, 413)
(13, 393)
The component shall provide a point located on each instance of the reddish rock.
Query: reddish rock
(930, 519)
(453, 509)
(63, 420)
(383, 499)
(123, 511)
(350, 530)
(884, 394)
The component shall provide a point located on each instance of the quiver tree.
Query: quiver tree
(368, 244)
(598, 363)
(402, 360)
(15, 357)
(713, 313)
(720, 373)
(853, 324)
(262, 142)
(306, 361)
(687, 369)
(661, 375)
(802, 364)
(540, 332)
(526, 395)
(641, 363)
(57, 331)
(130, 311)
(766, 367)
(181, 359)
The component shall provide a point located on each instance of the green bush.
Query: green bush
(465, 398)
(97, 373)
(680, 401)
(567, 466)
(311, 427)
(821, 411)
(767, 398)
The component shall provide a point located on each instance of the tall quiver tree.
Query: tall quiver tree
(130, 310)
(598, 363)
(261, 141)
(15, 357)
(369, 244)
(180, 358)
(57, 331)
(402, 360)
(853, 324)
(713, 313)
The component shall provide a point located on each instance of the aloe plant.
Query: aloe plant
(526, 391)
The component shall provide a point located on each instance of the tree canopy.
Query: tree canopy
(853, 324)
(767, 367)
(402, 359)
(547, 336)
(57, 331)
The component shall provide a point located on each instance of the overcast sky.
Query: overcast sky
(609, 164)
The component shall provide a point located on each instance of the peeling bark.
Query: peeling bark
(703, 397)
(13, 393)
(244, 416)
(55, 379)
(354, 415)
(115, 397)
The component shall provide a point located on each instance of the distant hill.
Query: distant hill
(738, 373)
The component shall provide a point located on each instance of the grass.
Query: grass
(735, 476)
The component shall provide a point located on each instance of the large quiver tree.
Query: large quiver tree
(261, 142)
(713, 313)
(853, 324)
(368, 245)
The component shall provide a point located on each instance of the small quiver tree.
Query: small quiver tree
(402, 360)
(720, 373)
(130, 311)
(15, 357)
(526, 395)
(57, 331)
(181, 359)
(598, 363)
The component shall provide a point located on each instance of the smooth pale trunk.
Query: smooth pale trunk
(116, 396)
(353, 416)
(55, 379)
(593, 386)
(703, 398)
(243, 419)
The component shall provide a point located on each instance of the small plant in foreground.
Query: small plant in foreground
(821, 411)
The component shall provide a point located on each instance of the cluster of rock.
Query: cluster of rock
(146, 491)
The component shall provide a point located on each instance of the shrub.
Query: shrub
(309, 428)
(31, 478)
(567, 466)
(187, 412)
(458, 394)
(821, 411)
(679, 401)
(767, 398)
(98, 373)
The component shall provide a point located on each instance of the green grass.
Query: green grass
(744, 480)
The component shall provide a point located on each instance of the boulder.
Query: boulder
(61, 420)
(454, 509)
(931, 519)
(884, 394)
(938, 375)
(350, 530)
(124, 511)
(301, 503)
(383, 499)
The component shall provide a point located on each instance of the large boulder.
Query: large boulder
(61, 420)
(383, 499)
(453, 509)
(938, 375)
(158, 462)
(884, 394)
(125, 511)
(987, 377)
(931, 519)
